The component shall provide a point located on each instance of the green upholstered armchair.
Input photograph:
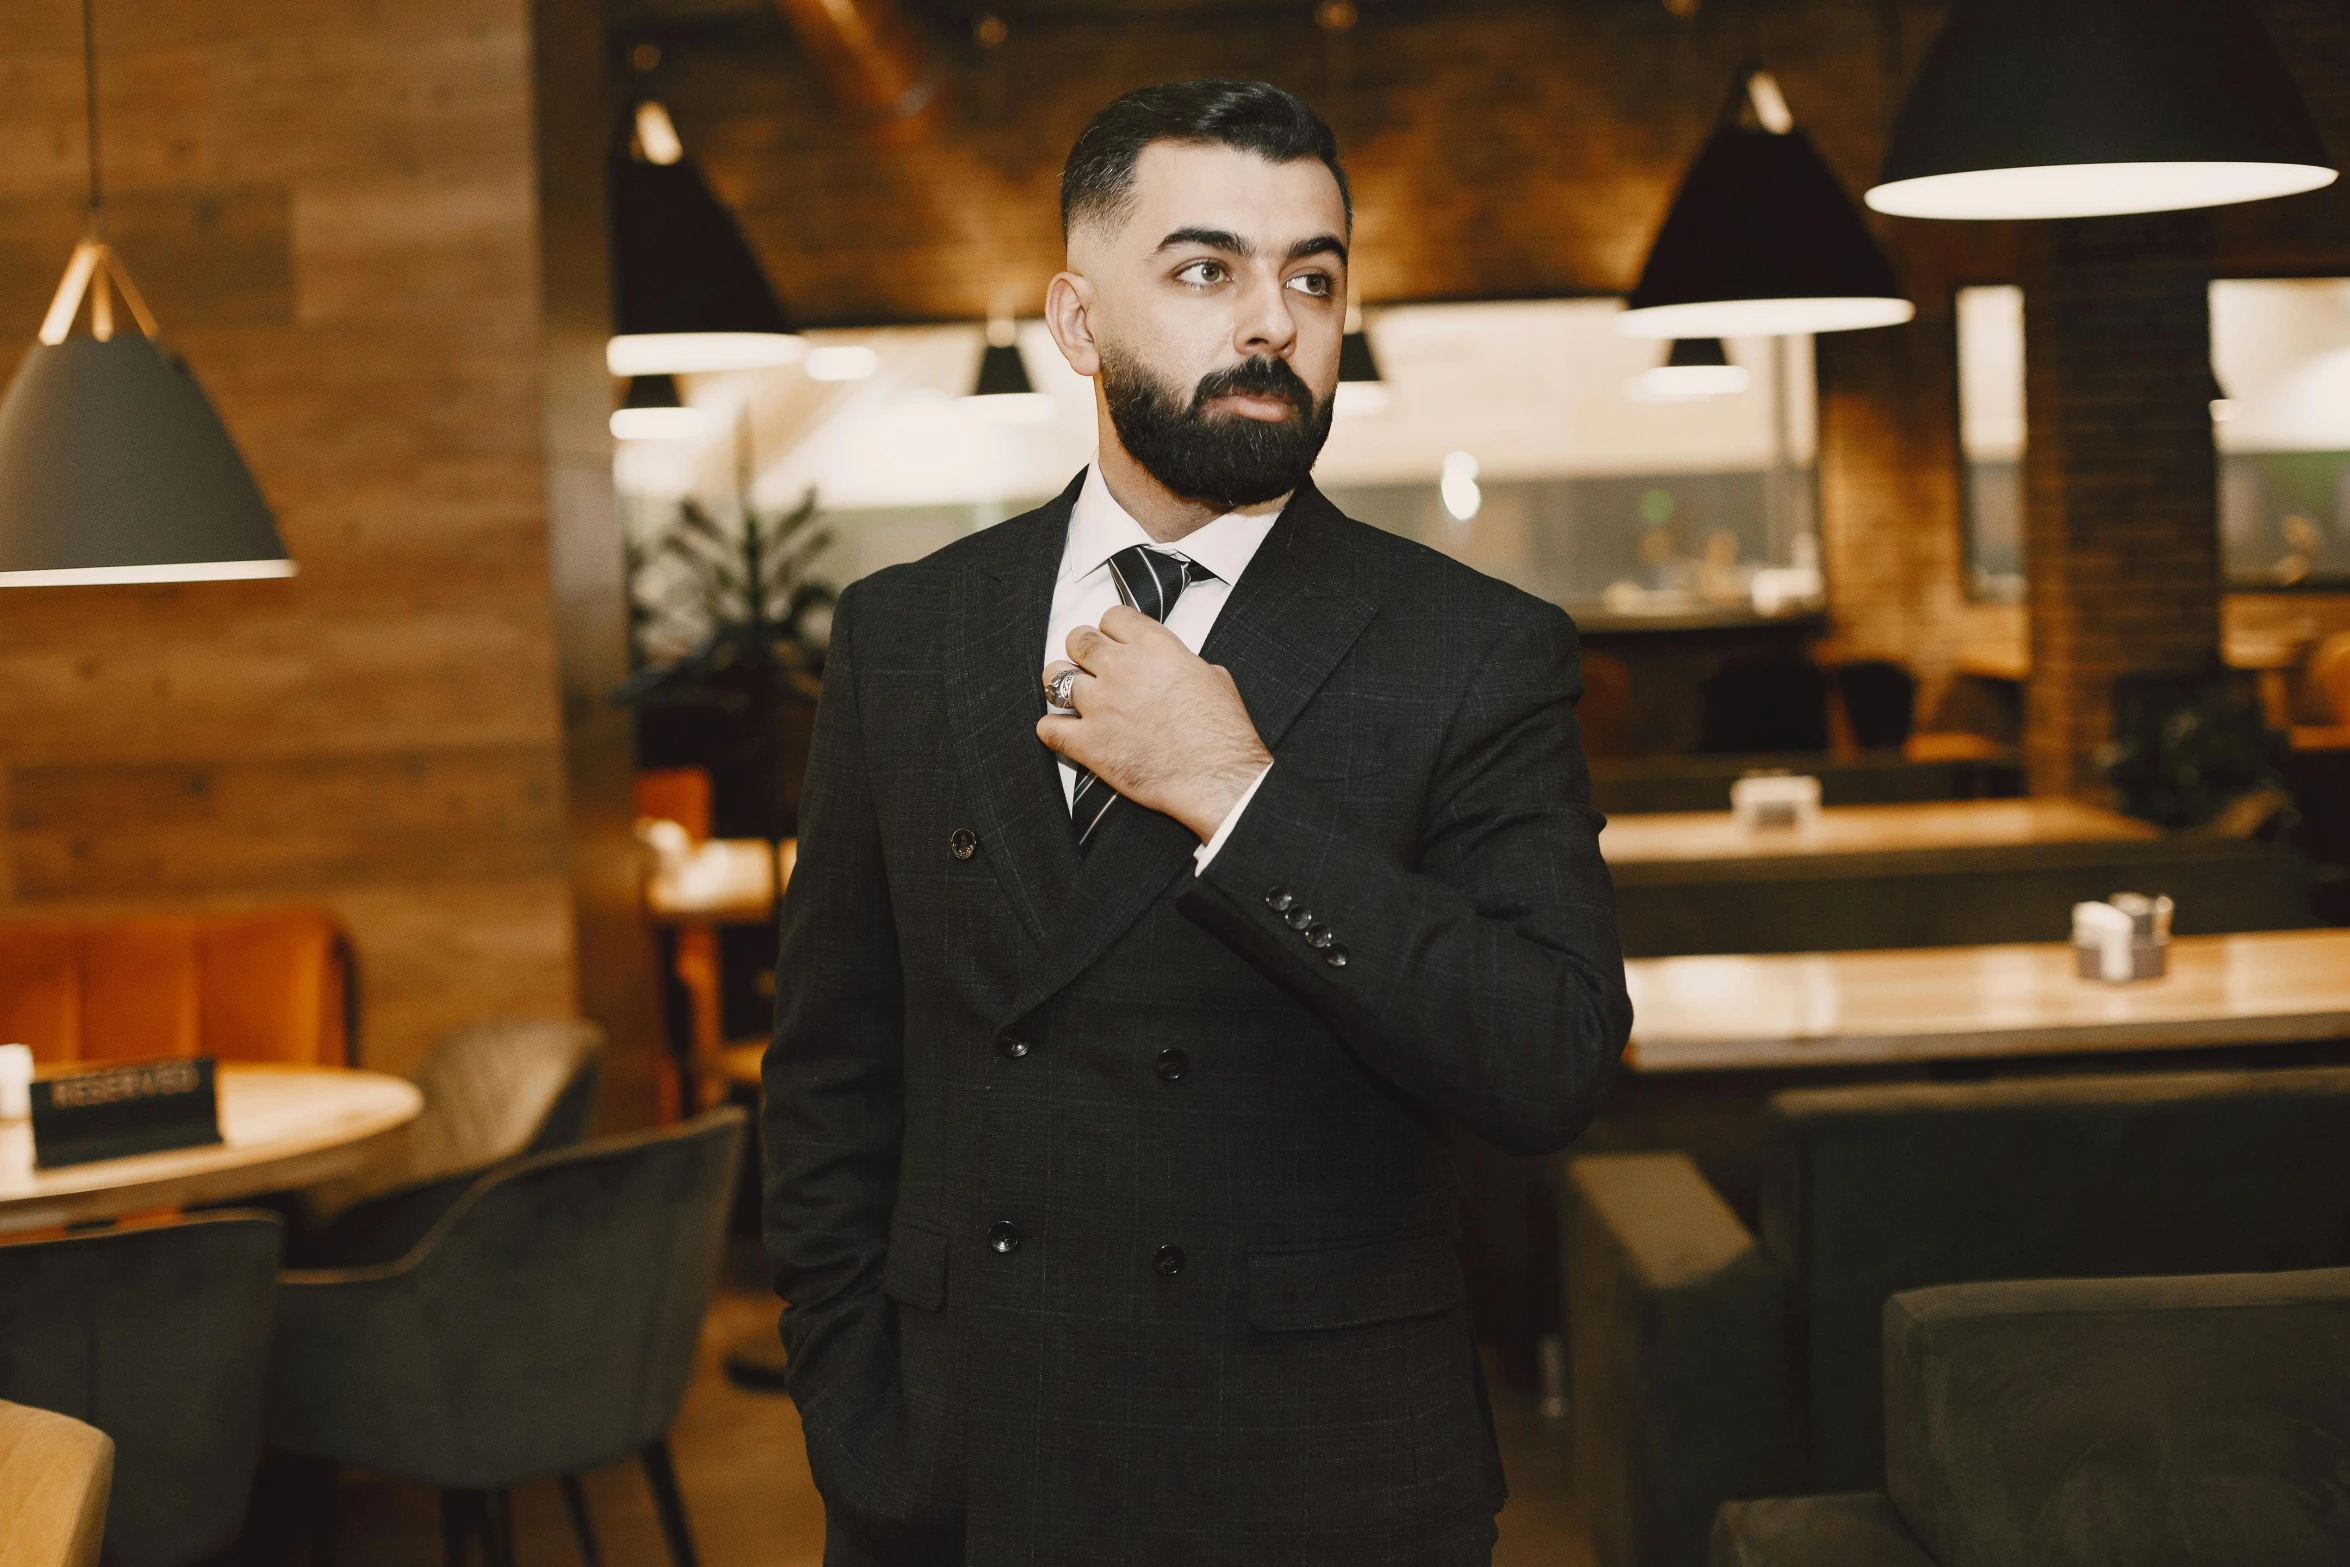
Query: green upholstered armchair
(1710, 1363)
(159, 1337)
(545, 1326)
(2200, 1421)
(493, 1091)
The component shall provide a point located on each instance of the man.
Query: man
(1176, 861)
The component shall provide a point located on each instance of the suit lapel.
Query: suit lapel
(1285, 627)
(1002, 607)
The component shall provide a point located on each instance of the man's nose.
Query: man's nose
(1265, 326)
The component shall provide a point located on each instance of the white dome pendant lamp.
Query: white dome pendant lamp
(113, 466)
(2096, 108)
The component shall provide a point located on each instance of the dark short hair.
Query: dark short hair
(1258, 117)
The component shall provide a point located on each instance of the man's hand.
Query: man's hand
(1156, 722)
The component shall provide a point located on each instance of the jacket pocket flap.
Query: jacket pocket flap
(916, 1272)
(1344, 1284)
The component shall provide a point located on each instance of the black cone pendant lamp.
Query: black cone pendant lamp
(113, 466)
(688, 295)
(1761, 240)
(1694, 367)
(2090, 108)
(1002, 392)
(1362, 387)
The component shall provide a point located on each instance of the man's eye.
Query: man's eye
(1201, 272)
(1314, 283)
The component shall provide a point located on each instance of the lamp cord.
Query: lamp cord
(90, 98)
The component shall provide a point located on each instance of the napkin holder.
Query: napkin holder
(1774, 802)
(2122, 940)
(113, 1112)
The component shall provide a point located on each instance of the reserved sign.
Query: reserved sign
(113, 1112)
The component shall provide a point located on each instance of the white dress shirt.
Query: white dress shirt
(1082, 593)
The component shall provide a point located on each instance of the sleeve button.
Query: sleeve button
(1319, 937)
(1279, 900)
(1298, 919)
(1336, 956)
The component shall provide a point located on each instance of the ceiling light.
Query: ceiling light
(1456, 486)
(1696, 367)
(1002, 393)
(654, 412)
(848, 362)
(1761, 240)
(2091, 108)
(1361, 388)
(700, 353)
(113, 466)
(656, 135)
(688, 294)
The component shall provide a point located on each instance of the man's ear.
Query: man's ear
(1068, 315)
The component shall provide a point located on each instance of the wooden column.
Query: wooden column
(2122, 511)
(619, 988)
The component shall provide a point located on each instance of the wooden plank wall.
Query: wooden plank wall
(331, 205)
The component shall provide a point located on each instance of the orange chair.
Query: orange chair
(248, 987)
(2329, 672)
(1605, 713)
(676, 794)
(682, 795)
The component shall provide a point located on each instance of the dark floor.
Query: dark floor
(752, 1504)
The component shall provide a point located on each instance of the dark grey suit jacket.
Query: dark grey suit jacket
(1116, 1220)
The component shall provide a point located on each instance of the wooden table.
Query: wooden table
(1926, 874)
(726, 881)
(1692, 836)
(282, 1127)
(1777, 1011)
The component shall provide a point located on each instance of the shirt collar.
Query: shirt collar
(1099, 527)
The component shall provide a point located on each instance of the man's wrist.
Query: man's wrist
(1221, 793)
(1215, 842)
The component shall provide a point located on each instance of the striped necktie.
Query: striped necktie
(1151, 581)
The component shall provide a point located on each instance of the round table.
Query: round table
(281, 1127)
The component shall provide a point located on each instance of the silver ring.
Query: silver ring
(1062, 687)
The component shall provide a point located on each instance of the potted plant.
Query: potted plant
(727, 633)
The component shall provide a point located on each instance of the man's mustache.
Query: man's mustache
(1255, 378)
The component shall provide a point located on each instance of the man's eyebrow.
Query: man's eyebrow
(1233, 244)
(1214, 239)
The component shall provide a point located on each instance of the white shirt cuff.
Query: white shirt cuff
(1207, 851)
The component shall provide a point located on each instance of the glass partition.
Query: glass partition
(1525, 438)
(2280, 353)
(2280, 348)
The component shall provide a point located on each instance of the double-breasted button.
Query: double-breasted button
(1003, 1237)
(1169, 1261)
(1336, 956)
(1171, 1065)
(1320, 938)
(1298, 919)
(1010, 1048)
(962, 843)
(1279, 900)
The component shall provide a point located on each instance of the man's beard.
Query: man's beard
(1222, 460)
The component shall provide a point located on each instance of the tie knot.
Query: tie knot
(1151, 580)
